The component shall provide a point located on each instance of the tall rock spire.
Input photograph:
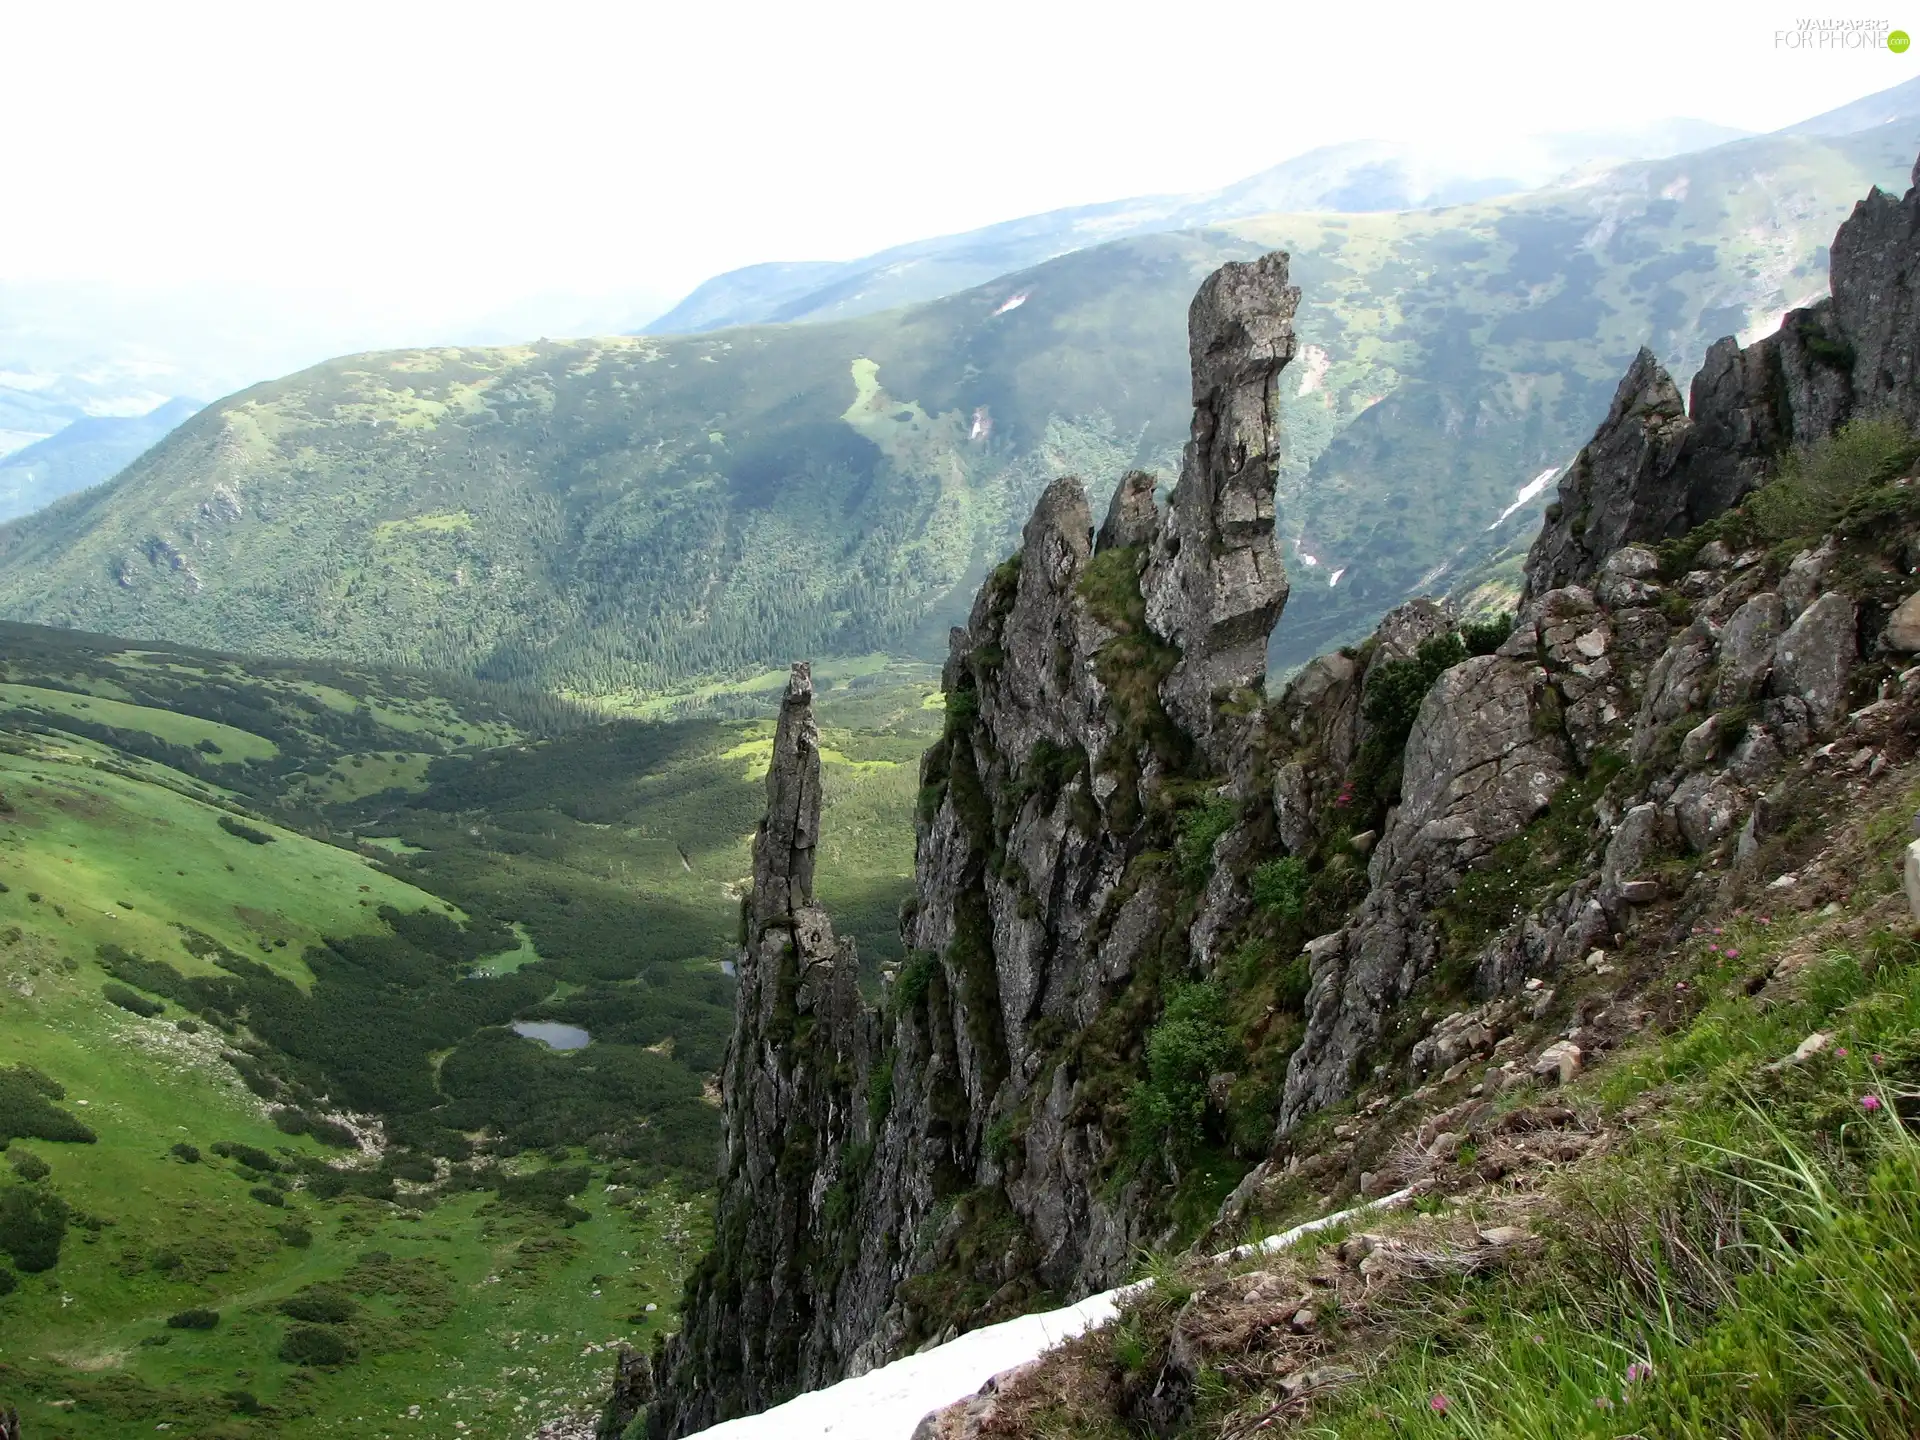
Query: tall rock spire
(793, 1095)
(1214, 584)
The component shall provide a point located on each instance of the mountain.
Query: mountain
(1899, 104)
(87, 451)
(1355, 177)
(1583, 939)
(639, 516)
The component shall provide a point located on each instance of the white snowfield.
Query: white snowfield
(886, 1404)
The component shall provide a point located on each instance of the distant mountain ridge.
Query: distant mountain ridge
(1356, 177)
(83, 453)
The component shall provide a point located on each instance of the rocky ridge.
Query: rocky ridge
(1139, 886)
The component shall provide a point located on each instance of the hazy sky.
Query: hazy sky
(411, 151)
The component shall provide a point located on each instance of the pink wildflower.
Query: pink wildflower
(1601, 1402)
(1637, 1372)
(1841, 1052)
(1439, 1403)
(1869, 1103)
(1732, 954)
(1879, 1059)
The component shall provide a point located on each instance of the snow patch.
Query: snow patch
(888, 1403)
(1013, 302)
(1528, 492)
(1334, 578)
(1314, 364)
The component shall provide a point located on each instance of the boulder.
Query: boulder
(1559, 1062)
(1910, 878)
(1902, 634)
(1814, 657)
(1746, 649)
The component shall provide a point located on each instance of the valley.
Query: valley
(403, 1215)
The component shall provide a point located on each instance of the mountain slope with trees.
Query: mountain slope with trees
(636, 516)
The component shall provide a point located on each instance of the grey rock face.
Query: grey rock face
(1875, 265)
(1655, 468)
(1478, 769)
(1133, 516)
(1214, 582)
(1814, 657)
(1746, 649)
(1621, 486)
(1085, 714)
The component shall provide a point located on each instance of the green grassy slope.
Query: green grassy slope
(296, 864)
(632, 517)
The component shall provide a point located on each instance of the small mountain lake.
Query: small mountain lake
(554, 1037)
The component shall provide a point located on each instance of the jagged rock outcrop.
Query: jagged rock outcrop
(888, 1179)
(1621, 486)
(633, 1392)
(1654, 470)
(1114, 823)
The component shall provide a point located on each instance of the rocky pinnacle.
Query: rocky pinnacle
(1214, 583)
(783, 848)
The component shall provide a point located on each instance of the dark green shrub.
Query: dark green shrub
(183, 1151)
(1295, 981)
(267, 1195)
(29, 1166)
(915, 975)
(547, 1190)
(314, 1345)
(297, 1236)
(26, 1111)
(417, 1169)
(248, 1155)
(7, 1282)
(194, 1320)
(130, 1000)
(1483, 637)
(246, 832)
(291, 1120)
(33, 1223)
(320, 1305)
